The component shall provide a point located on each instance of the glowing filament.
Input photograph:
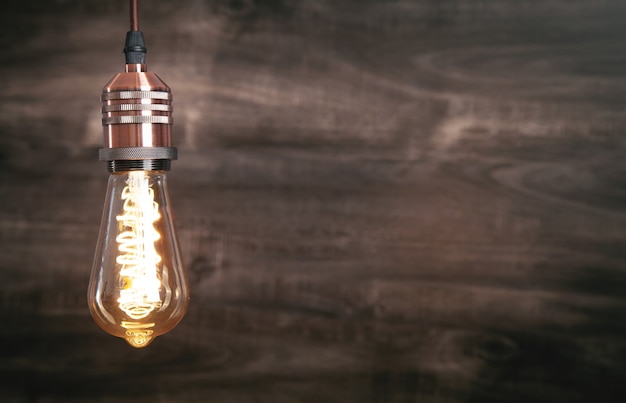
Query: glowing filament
(138, 258)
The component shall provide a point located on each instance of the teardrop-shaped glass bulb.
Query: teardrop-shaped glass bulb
(138, 288)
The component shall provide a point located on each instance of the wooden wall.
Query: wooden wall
(378, 201)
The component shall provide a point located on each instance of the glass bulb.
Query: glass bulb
(138, 288)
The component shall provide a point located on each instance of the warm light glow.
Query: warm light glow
(138, 289)
(138, 258)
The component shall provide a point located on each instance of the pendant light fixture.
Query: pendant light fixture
(138, 288)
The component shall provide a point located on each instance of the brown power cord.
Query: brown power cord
(134, 15)
(135, 48)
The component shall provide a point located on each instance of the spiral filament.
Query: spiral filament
(140, 285)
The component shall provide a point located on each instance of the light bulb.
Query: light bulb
(138, 289)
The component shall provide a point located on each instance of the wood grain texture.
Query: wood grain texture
(378, 201)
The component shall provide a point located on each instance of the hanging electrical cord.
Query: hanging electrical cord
(134, 15)
(135, 48)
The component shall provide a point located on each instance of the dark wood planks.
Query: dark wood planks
(377, 201)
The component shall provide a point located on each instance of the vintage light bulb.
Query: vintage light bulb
(138, 289)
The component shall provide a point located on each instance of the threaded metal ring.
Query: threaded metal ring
(136, 119)
(138, 153)
(136, 107)
(138, 165)
(107, 96)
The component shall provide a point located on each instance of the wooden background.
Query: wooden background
(378, 201)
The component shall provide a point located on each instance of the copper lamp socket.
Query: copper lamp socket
(137, 121)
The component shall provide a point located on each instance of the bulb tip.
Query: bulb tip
(139, 339)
